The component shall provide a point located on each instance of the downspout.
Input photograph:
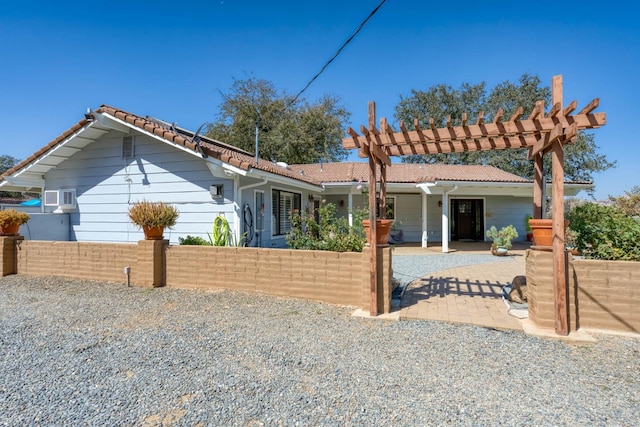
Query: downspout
(445, 219)
(238, 199)
(350, 203)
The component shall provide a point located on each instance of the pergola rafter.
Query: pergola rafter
(496, 135)
(538, 132)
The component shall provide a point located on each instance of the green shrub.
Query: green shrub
(330, 233)
(604, 232)
(193, 240)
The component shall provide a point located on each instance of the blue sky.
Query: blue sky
(171, 59)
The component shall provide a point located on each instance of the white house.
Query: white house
(111, 158)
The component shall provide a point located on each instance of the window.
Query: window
(64, 199)
(283, 202)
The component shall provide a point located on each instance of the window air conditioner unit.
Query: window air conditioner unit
(65, 199)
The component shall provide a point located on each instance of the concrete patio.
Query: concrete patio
(471, 294)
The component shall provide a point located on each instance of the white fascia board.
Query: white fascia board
(272, 177)
(220, 169)
(50, 154)
(111, 122)
(23, 182)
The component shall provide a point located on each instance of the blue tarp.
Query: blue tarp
(32, 202)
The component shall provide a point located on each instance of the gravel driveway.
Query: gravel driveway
(76, 353)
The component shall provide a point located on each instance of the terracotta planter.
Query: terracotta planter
(9, 230)
(543, 231)
(153, 233)
(383, 227)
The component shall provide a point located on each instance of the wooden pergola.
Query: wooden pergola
(539, 132)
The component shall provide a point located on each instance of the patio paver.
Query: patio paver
(470, 294)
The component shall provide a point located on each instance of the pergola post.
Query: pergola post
(538, 183)
(373, 232)
(559, 254)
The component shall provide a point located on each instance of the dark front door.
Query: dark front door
(467, 219)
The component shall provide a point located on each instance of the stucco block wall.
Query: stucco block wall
(608, 294)
(602, 294)
(97, 261)
(332, 277)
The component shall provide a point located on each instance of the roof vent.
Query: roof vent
(127, 147)
(282, 165)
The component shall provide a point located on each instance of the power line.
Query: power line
(373, 12)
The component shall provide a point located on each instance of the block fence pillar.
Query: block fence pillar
(150, 264)
(385, 275)
(9, 254)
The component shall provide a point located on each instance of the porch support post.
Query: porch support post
(445, 222)
(350, 210)
(425, 235)
(445, 218)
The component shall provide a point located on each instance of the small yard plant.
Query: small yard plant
(502, 238)
(10, 217)
(153, 214)
(193, 240)
(330, 233)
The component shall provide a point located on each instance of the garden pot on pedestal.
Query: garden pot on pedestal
(383, 227)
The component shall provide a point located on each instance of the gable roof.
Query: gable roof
(94, 125)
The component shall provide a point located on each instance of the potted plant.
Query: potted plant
(501, 239)
(153, 217)
(383, 225)
(543, 231)
(11, 220)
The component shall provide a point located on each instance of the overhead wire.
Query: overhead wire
(373, 12)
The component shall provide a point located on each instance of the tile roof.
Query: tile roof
(216, 149)
(406, 173)
(211, 147)
(309, 173)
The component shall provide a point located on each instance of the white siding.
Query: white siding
(106, 184)
(507, 210)
(409, 216)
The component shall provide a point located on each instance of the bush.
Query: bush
(329, 234)
(193, 240)
(605, 232)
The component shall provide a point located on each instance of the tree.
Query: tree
(629, 204)
(6, 163)
(292, 131)
(581, 158)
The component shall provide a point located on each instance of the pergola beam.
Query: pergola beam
(528, 127)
